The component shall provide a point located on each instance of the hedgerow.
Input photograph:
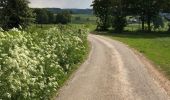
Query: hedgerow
(32, 64)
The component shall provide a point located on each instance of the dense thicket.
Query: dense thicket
(33, 65)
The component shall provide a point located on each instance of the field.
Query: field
(83, 19)
(35, 62)
(155, 46)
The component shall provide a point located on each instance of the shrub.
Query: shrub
(77, 18)
(33, 64)
(63, 17)
(158, 22)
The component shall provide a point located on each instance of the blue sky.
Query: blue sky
(61, 3)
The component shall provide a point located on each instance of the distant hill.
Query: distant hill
(74, 11)
(54, 10)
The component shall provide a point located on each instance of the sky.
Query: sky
(83, 4)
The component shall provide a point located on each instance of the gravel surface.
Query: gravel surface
(112, 72)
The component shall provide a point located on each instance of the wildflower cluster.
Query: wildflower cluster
(33, 63)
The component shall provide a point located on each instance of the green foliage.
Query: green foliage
(106, 10)
(51, 17)
(15, 13)
(87, 19)
(33, 64)
(168, 27)
(41, 16)
(44, 17)
(78, 18)
(146, 9)
(119, 23)
(63, 17)
(102, 9)
(158, 22)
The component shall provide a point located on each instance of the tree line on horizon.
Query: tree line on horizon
(114, 12)
(43, 16)
(16, 13)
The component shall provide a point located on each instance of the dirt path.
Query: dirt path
(112, 72)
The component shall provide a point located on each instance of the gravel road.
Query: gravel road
(112, 72)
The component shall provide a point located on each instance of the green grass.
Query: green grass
(84, 19)
(155, 46)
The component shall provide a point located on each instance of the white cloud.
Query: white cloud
(61, 3)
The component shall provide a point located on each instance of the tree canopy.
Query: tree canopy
(15, 13)
(63, 18)
(41, 16)
(119, 9)
(102, 9)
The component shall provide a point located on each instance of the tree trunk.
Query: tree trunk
(149, 23)
(143, 22)
(143, 25)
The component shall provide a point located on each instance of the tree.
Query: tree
(115, 10)
(51, 17)
(63, 17)
(119, 22)
(78, 18)
(158, 22)
(148, 9)
(120, 10)
(41, 16)
(102, 9)
(15, 13)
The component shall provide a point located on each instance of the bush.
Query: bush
(158, 22)
(168, 27)
(119, 22)
(63, 17)
(77, 18)
(33, 64)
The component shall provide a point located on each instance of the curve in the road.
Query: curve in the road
(112, 72)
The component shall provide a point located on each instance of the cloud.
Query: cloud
(60, 3)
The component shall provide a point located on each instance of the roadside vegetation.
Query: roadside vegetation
(35, 64)
(38, 50)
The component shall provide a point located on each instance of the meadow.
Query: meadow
(83, 19)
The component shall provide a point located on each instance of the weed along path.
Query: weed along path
(112, 72)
